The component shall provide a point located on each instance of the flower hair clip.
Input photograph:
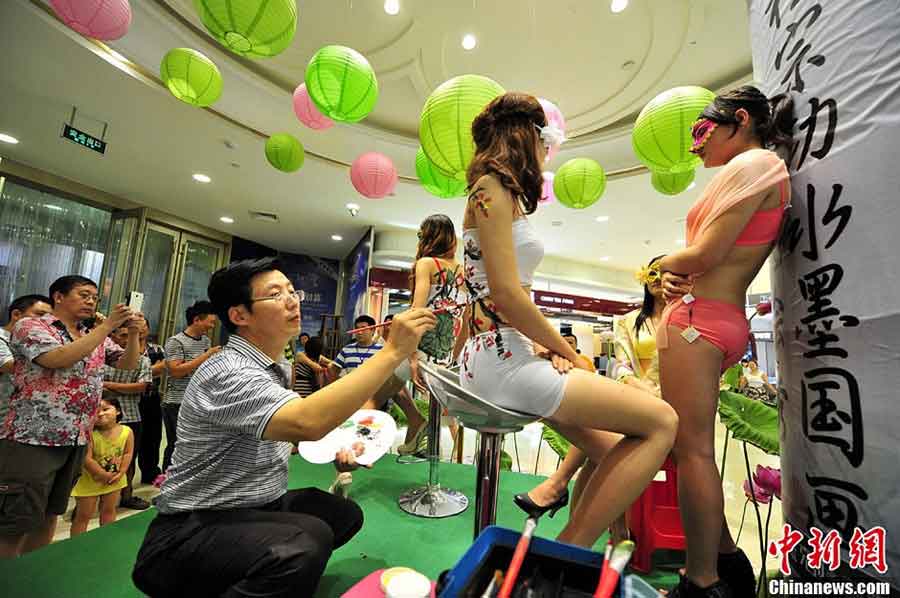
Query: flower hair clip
(551, 135)
(648, 274)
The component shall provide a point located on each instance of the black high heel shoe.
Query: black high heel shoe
(524, 502)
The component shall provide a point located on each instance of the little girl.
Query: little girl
(108, 457)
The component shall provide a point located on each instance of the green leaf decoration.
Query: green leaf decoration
(750, 421)
(556, 441)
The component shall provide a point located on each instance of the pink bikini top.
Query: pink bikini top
(764, 225)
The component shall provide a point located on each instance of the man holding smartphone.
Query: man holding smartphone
(58, 379)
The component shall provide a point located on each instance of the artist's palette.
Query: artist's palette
(369, 433)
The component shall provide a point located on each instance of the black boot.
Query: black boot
(688, 589)
(735, 570)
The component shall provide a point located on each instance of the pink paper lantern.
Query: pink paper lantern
(547, 195)
(105, 20)
(307, 112)
(554, 116)
(373, 175)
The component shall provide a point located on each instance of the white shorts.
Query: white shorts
(501, 368)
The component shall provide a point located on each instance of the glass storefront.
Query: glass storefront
(44, 236)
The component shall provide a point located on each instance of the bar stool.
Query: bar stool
(432, 500)
(491, 423)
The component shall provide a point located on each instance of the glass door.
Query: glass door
(117, 268)
(175, 268)
(199, 259)
(156, 270)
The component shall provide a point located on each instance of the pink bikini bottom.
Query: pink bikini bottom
(722, 324)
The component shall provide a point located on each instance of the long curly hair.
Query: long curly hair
(506, 141)
(437, 237)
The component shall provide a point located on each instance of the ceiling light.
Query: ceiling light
(618, 5)
(201, 178)
(227, 220)
(8, 139)
(337, 238)
(392, 7)
(469, 41)
(602, 218)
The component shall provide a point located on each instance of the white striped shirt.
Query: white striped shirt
(220, 460)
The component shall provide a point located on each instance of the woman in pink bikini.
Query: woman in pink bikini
(731, 230)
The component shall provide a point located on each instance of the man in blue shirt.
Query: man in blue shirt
(356, 353)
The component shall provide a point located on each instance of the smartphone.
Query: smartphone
(135, 301)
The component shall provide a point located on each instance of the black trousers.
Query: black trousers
(280, 549)
(151, 437)
(136, 429)
(170, 418)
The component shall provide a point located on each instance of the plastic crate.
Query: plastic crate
(570, 571)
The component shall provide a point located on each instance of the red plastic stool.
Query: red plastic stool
(655, 521)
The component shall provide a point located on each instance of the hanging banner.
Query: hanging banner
(836, 279)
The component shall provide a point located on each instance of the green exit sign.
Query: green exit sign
(83, 139)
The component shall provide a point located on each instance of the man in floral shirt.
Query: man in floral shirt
(58, 380)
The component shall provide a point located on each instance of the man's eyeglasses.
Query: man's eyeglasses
(282, 297)
(85, 296)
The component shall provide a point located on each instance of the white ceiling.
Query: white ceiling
(570, 51)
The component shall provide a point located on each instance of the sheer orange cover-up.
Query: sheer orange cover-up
(747, 174)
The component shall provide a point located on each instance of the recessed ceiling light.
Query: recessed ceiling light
(337, 238)
(8, 139)
(392, 7)
(602, 218)
(227, 220)
(618, 5)
(469, 41)
(201, 178)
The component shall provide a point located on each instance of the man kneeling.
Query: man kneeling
(227, 526)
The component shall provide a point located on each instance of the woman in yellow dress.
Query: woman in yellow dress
(637, 364)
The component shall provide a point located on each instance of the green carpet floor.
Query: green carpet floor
(98, 564)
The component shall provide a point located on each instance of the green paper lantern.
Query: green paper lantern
(252, 28)
(662, 133)
(284, 152)
(341, 83)
(191, 77)
(445, 127)
(436, 182)
(672, 184)
(579, 183)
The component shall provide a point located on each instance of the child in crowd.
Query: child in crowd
(108, 457)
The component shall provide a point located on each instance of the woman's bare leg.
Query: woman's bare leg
(689, 376)
(594, 406)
